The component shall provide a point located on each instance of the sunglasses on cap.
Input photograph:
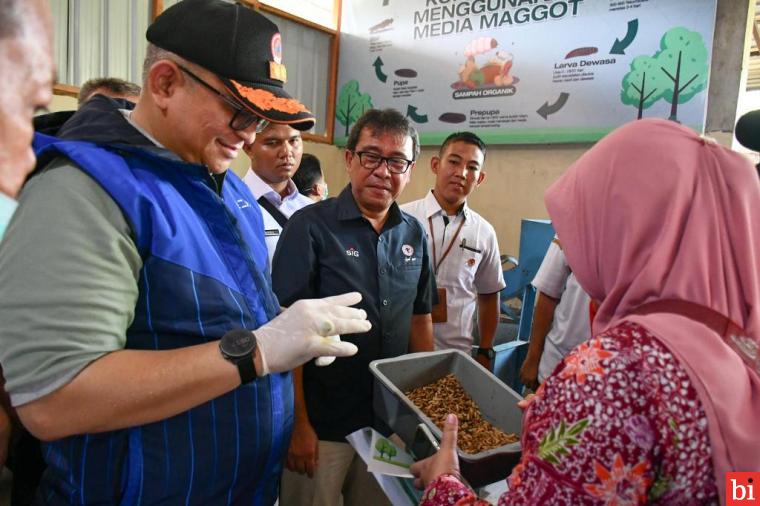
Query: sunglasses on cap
(242, 118)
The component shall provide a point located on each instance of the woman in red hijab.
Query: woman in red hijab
(662, 228)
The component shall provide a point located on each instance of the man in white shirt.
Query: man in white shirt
(560, 320)
(464, 248)
(275, 155)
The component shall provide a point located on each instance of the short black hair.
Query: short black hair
(307, 174)
(112, 84)
(11, 18)
(380, 121)
(468, 137)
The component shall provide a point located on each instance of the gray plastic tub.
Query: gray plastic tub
(497, 403)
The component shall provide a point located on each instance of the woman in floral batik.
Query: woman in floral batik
(662, 228)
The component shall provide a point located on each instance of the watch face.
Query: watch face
(238, 343)
(488, 352)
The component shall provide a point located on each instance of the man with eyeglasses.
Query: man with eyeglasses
(360, 241)
(140, 336)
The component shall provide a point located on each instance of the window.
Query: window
(94, 38)
(321, 12)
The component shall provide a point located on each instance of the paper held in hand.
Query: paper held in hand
(382, 455)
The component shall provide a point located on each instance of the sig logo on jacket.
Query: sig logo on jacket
(742, 489)
(352, 252)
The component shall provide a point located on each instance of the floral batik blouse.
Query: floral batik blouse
(617, 423)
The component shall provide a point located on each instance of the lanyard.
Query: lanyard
(437, 263)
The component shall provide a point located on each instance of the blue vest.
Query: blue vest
(204, 273)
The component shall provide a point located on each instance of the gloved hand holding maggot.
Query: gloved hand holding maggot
(308, 329)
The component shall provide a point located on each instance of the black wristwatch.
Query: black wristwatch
(487, 352)
(238, 346)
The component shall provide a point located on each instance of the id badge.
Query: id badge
(440, 310)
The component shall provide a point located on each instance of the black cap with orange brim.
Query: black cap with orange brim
(240, 46)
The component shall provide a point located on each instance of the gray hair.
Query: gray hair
(155, 54)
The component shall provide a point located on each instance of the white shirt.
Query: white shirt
(570, 326)
(128, 116)
(464, 273)
(287, 206)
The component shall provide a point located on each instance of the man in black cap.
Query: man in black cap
(140, 336)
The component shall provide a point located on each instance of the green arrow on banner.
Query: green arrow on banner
(619, 46)
(411, 113)
(378, 64)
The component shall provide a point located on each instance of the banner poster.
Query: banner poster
(525, 71)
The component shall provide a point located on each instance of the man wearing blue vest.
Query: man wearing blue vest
(135, 270)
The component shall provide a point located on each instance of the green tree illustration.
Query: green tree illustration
(643, 85)
(383, 446)
(683, 59)
(352, 103)
(391, 452)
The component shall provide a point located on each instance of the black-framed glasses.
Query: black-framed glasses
(242, 118)
(395, 164)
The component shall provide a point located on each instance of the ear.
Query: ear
(481, 178)
(348, 157)
(435, 164)
(164, 79)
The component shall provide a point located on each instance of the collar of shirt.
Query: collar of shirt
(260, 188)
(348, 210)
(128, 116)
(432, 207)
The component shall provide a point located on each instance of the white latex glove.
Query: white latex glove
(310, 328)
